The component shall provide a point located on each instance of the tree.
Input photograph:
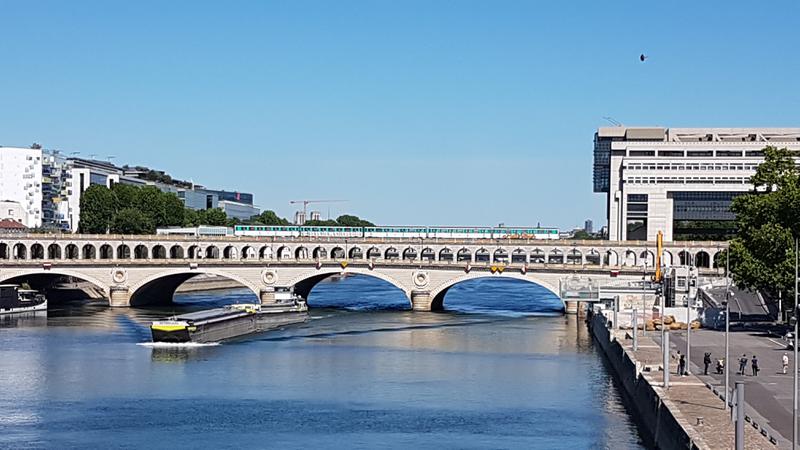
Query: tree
(191, 218)
(214, 216)
(127, 195)
(132, 221)
(768, 221)
(173, 209)
(269, 218)
(98, 206)
(347, 220)
(321, 223)
(152, 203)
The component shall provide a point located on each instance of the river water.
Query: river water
(502, 368)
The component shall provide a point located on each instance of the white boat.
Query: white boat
(15, 300)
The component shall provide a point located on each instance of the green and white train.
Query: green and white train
(398, 232)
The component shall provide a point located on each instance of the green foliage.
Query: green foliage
(101, 206)
(214, 217)
(268, 218)
(321, 223)
(768, 221)
(132, 221)
(347, 220)
(98, 206)
(583, 235)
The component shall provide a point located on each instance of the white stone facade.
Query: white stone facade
(644, 170)
(21, 181)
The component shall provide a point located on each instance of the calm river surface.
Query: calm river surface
(500, 369)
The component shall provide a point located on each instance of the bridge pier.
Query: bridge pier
(421, 301)
(571, 306)
(119, 296)
(267, 295)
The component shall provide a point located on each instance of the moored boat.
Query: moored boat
(15, 300)
(219, 324)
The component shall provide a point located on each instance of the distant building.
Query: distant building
(21, 181)
(13, 211)
(241, 211)
(299, 217)
(315, 215)
(12, 226)
(588, 226)
(677, 179)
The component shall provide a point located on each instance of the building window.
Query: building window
(637, 229)
(637, 198)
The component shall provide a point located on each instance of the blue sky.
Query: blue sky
(417, 112)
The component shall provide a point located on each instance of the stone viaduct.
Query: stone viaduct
(140, 270)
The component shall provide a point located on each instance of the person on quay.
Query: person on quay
(742, 364)
(720, 366)
(754, 365)
(682, 365)
(785, 362)
(706, 362)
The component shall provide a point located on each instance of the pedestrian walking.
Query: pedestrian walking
(785, 361)
(754, 365)
(742, 364)
(706, 362)
(682, 366)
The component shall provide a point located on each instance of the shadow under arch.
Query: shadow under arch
(438, 294)
(160, 289)
(58, 284)
(304, 284)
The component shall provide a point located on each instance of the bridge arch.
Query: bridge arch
(159, 252)
(593, 258)
(140, 252)
(19, 251)
(538, 256)
(337, 253)
(123, 252)
(373, 253)
(248, 252)
(519, 256)
(37, 251)
(88, 251)
(230, 252)
(500, 255)
(356, 253)
(446, 254)
(574, 257)
(409, 254)
(482, 255)
(160, 288)
(71, 251)
(265, 252)
(319, 253)
(54, 272)
(702, 259)
(391, 254)
(438, 293)
(427, 254)
(176, 252)
(301, 253)
(464, 255)
(304, 283)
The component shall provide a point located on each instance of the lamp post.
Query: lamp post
(727, 323)
(644, 301)
(689, 299)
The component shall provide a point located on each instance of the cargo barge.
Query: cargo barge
(232, 321)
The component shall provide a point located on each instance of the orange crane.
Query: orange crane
(306, 203)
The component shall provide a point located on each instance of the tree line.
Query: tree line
(127, 209)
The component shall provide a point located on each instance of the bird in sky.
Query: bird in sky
(642, 57)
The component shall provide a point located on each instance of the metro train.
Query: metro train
(398, 232)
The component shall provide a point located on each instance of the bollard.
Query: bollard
(635, 331)
(740, 415)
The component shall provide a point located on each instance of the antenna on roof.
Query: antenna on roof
(612, 121)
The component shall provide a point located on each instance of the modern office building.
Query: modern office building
(678, 180)
(588, 226)
(21, 181)
(237, 210)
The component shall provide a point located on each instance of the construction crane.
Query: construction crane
(306, 203)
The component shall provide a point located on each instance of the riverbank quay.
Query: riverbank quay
(687, 415)
(769, 395)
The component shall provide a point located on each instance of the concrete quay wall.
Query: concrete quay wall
(657, 420)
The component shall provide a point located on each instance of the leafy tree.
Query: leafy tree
(151, 202)
(347, 220)
(269, 218)
(191, 218)
(173, 209)
(98, 206)
(768, 221)
(214, 216)
(232, 222)
(132, 221)
(127, 195)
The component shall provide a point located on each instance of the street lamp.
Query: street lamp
(644, 301)
(794, 386)
(727, 323)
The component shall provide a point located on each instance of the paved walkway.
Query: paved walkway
(693, 400)
(768, 395)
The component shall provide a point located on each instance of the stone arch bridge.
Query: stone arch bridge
(140, 270)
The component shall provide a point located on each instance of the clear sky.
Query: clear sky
(417, 112)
